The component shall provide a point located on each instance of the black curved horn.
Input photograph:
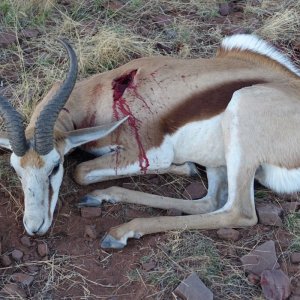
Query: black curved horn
(14, 126)
(43, 134)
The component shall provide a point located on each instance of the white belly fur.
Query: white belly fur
(200, 142)
(280, 180)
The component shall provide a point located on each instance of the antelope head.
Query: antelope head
(37, 159)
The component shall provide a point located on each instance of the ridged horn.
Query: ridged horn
(14, 127)
(44, 126)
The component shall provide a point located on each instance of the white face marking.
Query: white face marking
(40, 187)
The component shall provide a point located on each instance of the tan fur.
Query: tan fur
(32, 159)
(162, 95)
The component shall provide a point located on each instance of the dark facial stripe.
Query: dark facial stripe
(203, 105)
(50, 194)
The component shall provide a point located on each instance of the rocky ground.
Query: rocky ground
(252, 263)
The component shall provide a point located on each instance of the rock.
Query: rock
(261, 258)
(224, 9)
(25, 240)
(254, 279)
(228, 234)
(149, 265)
(174, 212)
(291, 207)
(296, 291)
(90, 231)
(275, 284)
(33, 269)
(295, 258)
(294, 297)
(5, 260)
(192, 288)
(90, 212)
(7, 38)
(195, 190)
(13, 290)
(30, 33)
(17, 255)
(269, 214)
(43, 250)
(22, 278)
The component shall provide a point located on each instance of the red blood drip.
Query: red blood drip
(120, 106)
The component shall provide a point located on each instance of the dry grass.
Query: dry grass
(182, 253)
(106, 36)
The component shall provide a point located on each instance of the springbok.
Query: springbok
(237, 114)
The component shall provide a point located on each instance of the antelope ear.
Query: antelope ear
(82, 136)
(4, 141)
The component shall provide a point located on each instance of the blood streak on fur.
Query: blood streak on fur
(120, 106)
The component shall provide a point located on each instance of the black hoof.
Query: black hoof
(109, 242)
(89, 201)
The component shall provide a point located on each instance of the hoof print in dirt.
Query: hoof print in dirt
(269, 214)
(192, 288)
(109, 242)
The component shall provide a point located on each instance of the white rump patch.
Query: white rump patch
(253, 43)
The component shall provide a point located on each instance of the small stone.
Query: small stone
(17, 255)
(22, 278)
(13, 290)
(195, 190)
(7, 38)
(192, 288)
(261, 258)
(25, 240)
(295, 258)
(90, 232)
(254, 279)
(224, 9)
(269, 214)
(5, 260)
(275, 284)
(291, 207)
(30, 33)
(90, 212)
(228, 234)
(43, 250)
(33, 269)
(174, 212)
(148, 266)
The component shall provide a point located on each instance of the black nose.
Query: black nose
(36, 231)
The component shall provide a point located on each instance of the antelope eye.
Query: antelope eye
(55, 169)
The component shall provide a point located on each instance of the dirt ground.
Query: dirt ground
(107, 34)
